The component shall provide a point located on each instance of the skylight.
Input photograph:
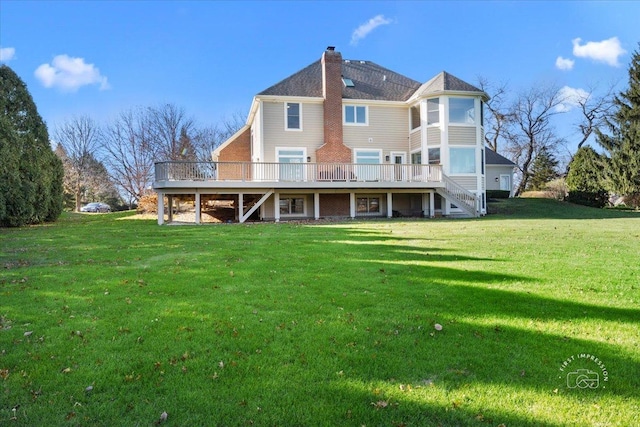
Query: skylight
(347, 82)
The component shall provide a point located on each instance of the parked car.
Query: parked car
(96, 207)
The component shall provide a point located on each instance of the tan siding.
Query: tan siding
(387, 129)
(468, 182)
(459, 135)
(433, 136)
(274, 134)
(416, 140)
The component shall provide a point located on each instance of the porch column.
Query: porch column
(432, 204)
(446, 207)
(276, 206)
(352, 205)
(170, 205)
(160, 208)
(316, 205)
(240, 206)
(198, 208)
(389, 205)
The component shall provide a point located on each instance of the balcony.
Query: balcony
(186, 175)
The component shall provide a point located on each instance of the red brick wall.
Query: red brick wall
(334, 205)
(238, 150)
(333, 149)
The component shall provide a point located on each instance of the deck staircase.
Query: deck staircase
(461, 197)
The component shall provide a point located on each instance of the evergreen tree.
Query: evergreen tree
(543, 170)
(31, 174)
(585, 180)
(586, 171)
(622, 141)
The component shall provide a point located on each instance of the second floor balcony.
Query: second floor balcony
(299, 175)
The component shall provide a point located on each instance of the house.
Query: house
(499, 173)
(345, 138)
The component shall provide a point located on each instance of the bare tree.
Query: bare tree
(531, 129)
(128, 143)
(80, 138)
(209, 138)
(595, 110)
(498, 117)
(172, 132)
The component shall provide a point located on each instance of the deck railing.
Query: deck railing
(295, 172)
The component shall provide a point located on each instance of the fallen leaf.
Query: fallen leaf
(26, 334)
(66, 370)
(88, 389)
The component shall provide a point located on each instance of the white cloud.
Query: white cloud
(7, 53)
(571, 97)
(69, 74)
(607, 51)
(363, 30)
(564, 63)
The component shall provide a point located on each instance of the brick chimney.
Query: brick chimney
(333, 149)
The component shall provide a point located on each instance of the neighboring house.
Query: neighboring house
(345, 138)
(499, 174)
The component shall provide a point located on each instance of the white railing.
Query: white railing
(466, 200)
(295, 172)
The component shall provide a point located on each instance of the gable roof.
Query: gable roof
(493, 158)
(371, 81)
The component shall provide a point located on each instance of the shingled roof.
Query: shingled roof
(371, 81)
(493, 158)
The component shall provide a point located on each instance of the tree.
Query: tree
(595, 109)
(530, 129)
(497, 117)
(128, 145)
(622, 141)
(543, 170)
(207, 139)
(79, 137)
(171, 132)
(31, 174)
(585, 179)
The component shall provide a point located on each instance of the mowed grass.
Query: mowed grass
(108, 321)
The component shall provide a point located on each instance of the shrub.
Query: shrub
(498, 194)
(595, 199)
(148, 203)
(556, 188)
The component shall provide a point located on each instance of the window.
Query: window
(365, 205)
(416, 158)
(415, 117)
(368, 161)
(347, 82)
(355, 114)
(292, 206)
(291, 163)
(434, 156)
(505, 182)
(462, 110)
(293, 116)
(433, 111)
(463, 160)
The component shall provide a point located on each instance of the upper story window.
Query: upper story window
(434, 156)
(355, 114)
(433, 111)
(293, 115)
(415, 117)
(462, 110)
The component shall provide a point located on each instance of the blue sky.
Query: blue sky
(211, 57)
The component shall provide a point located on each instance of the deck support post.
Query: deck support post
(198, 208)
(170, 206)
(316, 205)
(160, 202)
(432, 204)
(389, 205)
(352, 205)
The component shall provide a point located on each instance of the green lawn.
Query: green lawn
(108, 321)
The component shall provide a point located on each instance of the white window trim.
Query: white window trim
(294, 196)
(344, 115)
(500, 182)
(286, 117)
(359, 150)
(464, 124)
(475, 157)
(440, 112)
